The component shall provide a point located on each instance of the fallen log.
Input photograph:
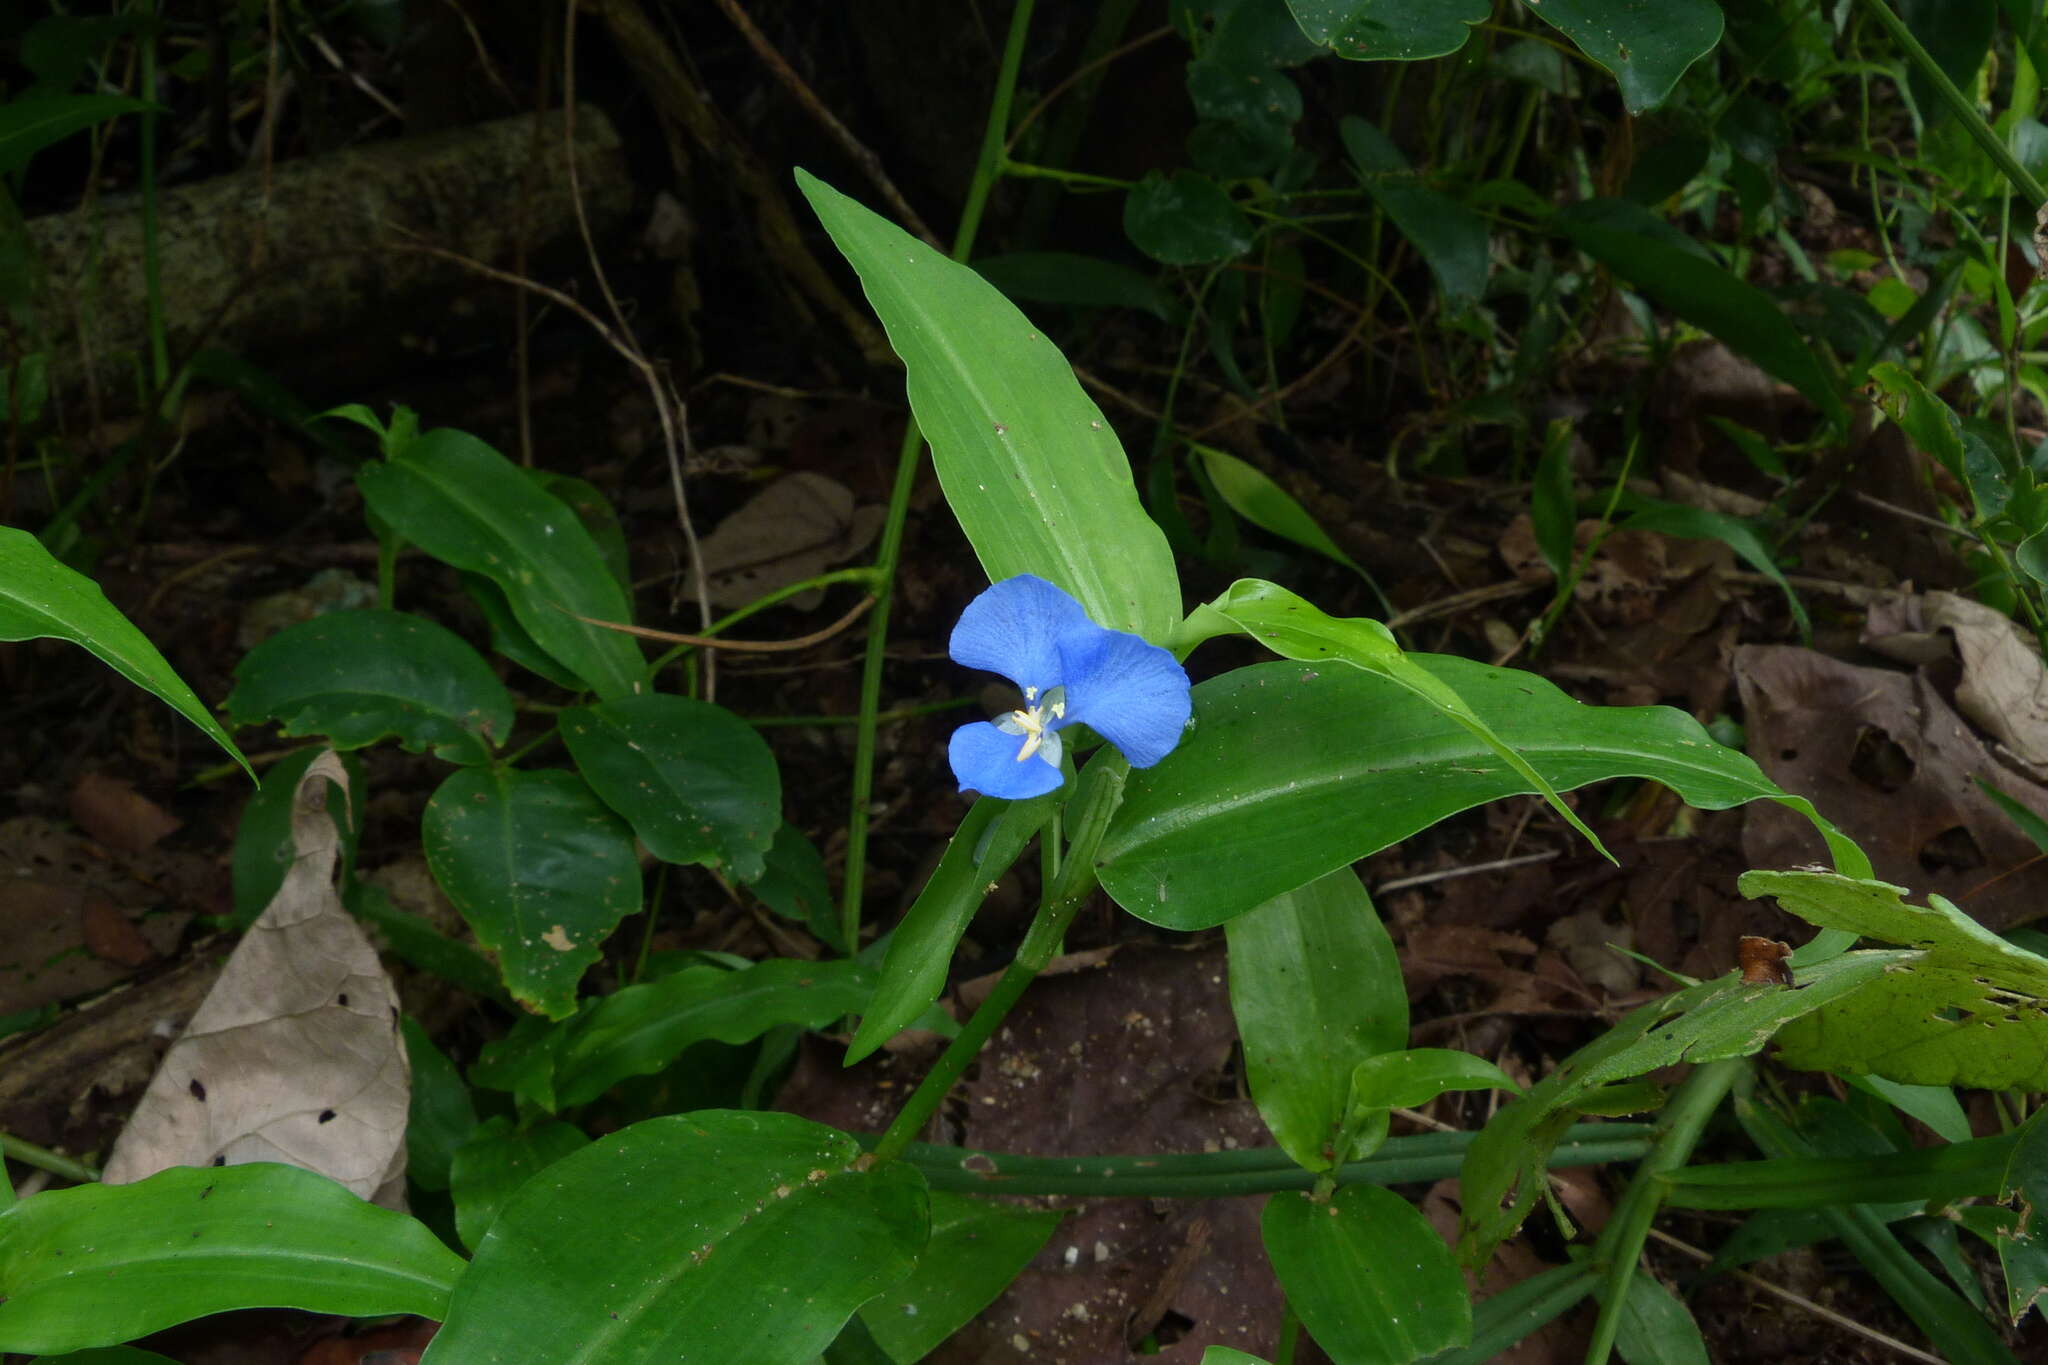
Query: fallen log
(277, 266)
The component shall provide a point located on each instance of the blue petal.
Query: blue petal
(985, 760)
(1134, 694)
(1014, 629)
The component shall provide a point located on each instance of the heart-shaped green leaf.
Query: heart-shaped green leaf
(696, 783)
(357, 676)
(540, 869)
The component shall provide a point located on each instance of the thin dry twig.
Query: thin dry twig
(1469, 870)
(1825, 1314)
(816, 637)
(675, 433)
(862, 155)
(1079, 74)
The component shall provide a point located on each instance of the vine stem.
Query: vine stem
(987, 170)
(1621, 1244)
(1097, 795)
(1958, 104)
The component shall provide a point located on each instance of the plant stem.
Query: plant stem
(883, 583)
(1958, 104)
(1096, 797)
(1621, 1245)
(43, 1159)
(1412, 1159)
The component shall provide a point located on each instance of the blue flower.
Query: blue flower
(1071, 672)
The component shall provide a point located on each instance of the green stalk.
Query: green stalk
(152, 282)
(1958, 104)
(43, 1159)
(1621, 1245)
(1414, 1159)
(986, 171)
(1095, 801)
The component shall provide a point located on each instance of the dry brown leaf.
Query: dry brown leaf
(1884, 756)
(2004, 686)
(113, 812)
(795, 528)
(295, 1055)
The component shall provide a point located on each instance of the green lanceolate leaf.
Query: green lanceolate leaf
(1372, 1281)
(29, 125)
(1268, 506)
(1316, 989)
(1451, 237)
(440, 1117)
(641, 1029)
(1706, 295)
(697, 783)
(539, 868)
(1647, 47)
(499, 1158)
(1292, 771)
(358, 676)
(1295, 628)
(1657, 1326)
(1711, 1021)
(1968, 1008)
(467, 505)
(724, 1237)
(921, 947)
(1412, 1078)
(1031, 469)
(41, 598)
(102, 1264)
(1389, 30)
(977, 1247)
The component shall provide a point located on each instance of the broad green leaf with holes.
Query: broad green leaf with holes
(42, 598)
(1710, 1021)
(1967, 1008)
(1032, 470)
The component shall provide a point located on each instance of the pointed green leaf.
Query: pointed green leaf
(468, 506)
(1372, 1281)
(1316, 989)
(1390, 30)
(977, 1248)
(1032, 470)
(1295, 628)
(97, 1265)
(990, 837)
(723, 1237)
(1293, 771)
(1647, 47)
(43, 598)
